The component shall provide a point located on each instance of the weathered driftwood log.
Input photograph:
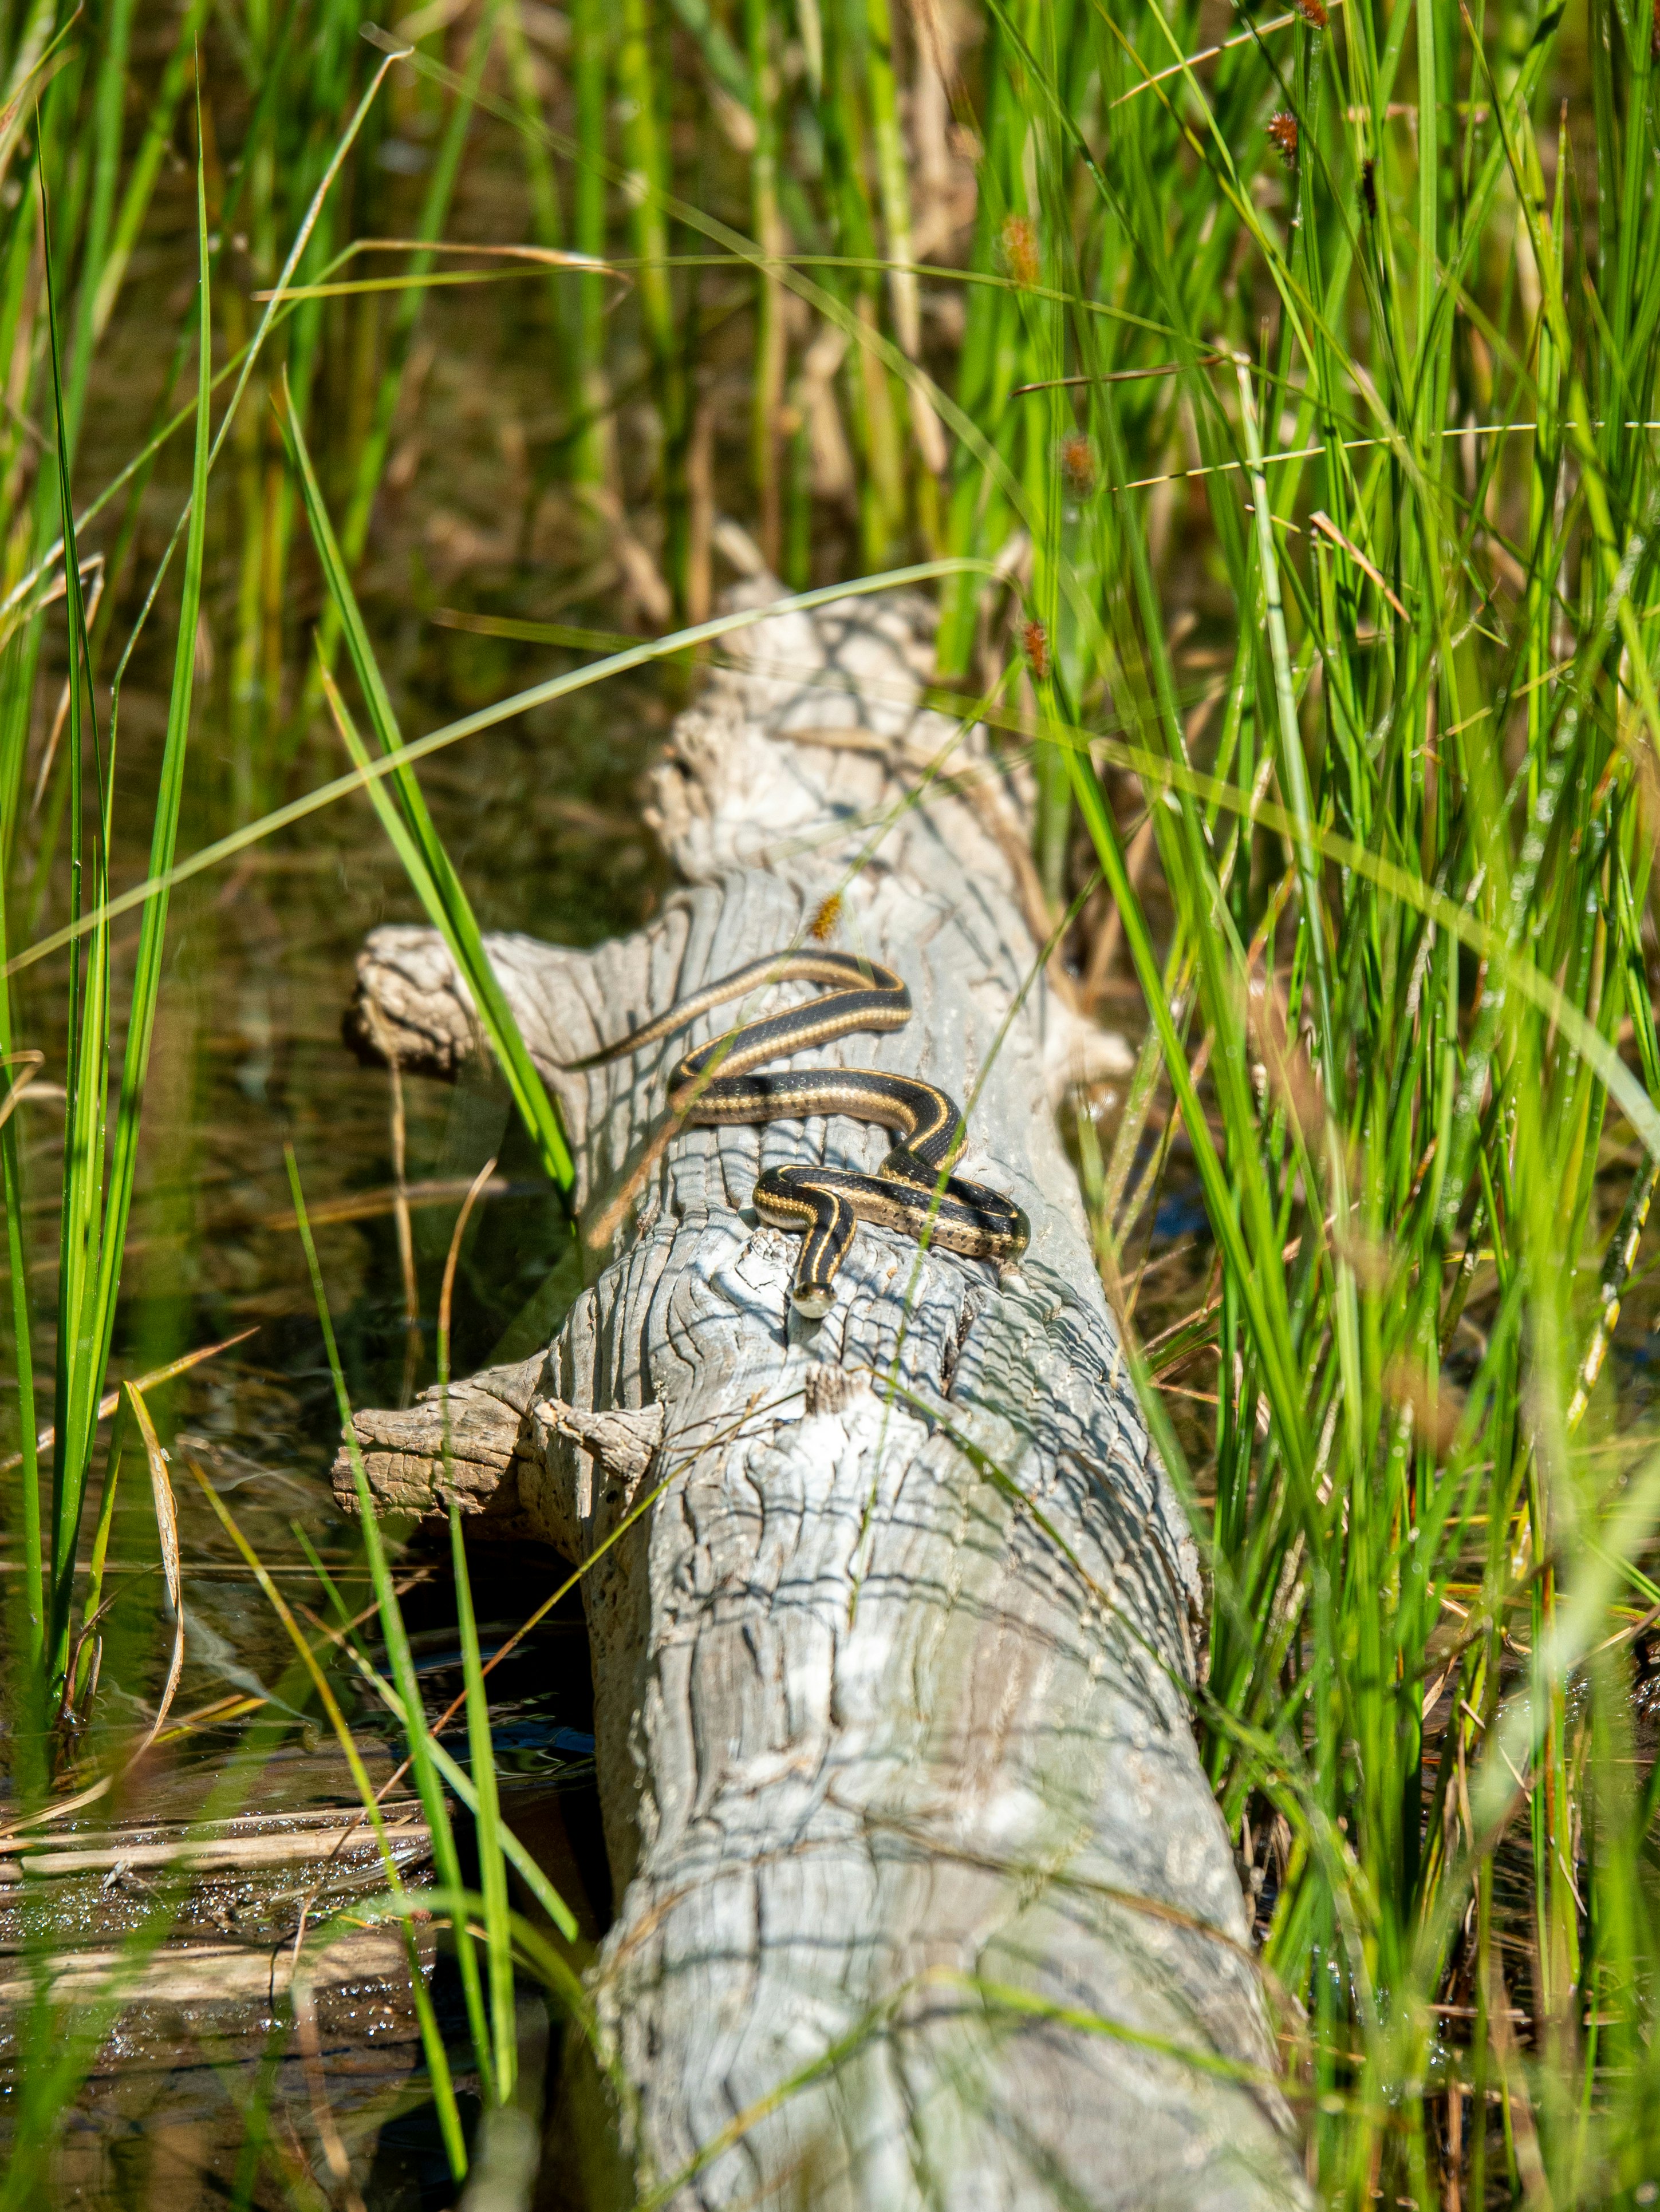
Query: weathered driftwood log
(923, 1897)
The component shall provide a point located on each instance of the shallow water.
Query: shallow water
(541, 819)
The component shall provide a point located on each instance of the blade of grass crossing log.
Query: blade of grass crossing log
(438, 887)
(427, 1788)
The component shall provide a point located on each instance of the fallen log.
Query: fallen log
(923, 1898)
(191, 1974)
(335, 1837)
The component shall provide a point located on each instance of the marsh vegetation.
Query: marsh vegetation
(1267, 398)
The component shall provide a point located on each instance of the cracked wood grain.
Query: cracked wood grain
(923, 1898)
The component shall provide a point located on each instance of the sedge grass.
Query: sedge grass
(85, 1334)
(1363, 346)
(405, 817)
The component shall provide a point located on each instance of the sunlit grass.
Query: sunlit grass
(1323, 345)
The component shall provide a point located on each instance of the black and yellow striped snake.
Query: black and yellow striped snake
(913, 1190)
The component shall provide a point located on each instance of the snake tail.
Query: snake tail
(863, 996)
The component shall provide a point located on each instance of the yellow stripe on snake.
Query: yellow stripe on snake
(913, 1190)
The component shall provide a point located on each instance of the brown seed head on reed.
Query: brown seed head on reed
(1020, 256)
(824, 923)
(1035, 640)
(1078, 462)
(1312, 14)
(1282, 130)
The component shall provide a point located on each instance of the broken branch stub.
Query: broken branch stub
(923, 1896)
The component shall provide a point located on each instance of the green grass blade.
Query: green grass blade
(86, 1073)
(152, 941)
(436, 882)
(457, 1777)
(108, 102)
(428, 1787)
(432, 2042)
(493, 1865)
(146, 169)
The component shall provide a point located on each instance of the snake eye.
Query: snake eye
(813, 1301)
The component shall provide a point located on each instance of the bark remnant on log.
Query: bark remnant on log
(900, 1789)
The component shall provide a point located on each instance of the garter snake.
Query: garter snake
(912, 1191)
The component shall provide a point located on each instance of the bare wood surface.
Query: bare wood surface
(923, 1898)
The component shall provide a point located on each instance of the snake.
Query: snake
(913, 1191)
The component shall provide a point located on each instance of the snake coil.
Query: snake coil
(913, 1190)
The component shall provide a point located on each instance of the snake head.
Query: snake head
(812, 1301)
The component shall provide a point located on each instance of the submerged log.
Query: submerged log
(250, 1954)
(923, 1897)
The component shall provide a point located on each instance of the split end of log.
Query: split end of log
(522, 1466)
(466, 1443)
(410, 1010)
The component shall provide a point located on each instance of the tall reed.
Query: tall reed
(1296, 377)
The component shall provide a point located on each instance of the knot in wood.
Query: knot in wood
(829, 1390)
